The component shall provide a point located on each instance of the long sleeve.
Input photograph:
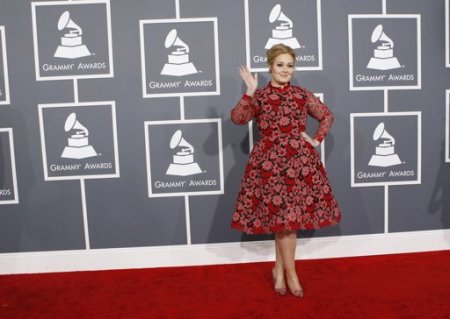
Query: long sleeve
(320, 112)
(245, 110)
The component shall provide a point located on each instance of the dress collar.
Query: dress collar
(279, 89)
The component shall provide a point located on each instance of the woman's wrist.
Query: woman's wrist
(250, 93)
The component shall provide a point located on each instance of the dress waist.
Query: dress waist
(283, 133)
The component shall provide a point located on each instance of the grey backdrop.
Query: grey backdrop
(120, 213)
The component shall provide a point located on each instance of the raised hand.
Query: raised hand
(251, 81)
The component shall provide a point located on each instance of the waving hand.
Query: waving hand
(251, 81)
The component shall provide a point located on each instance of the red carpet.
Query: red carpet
(392, 286)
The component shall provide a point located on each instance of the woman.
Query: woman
(285, 187)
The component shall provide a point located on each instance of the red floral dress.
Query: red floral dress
(285, 186)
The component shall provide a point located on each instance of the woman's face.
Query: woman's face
(282, 69)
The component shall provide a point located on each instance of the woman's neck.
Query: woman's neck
(278, 85)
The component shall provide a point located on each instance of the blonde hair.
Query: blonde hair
(277, 50)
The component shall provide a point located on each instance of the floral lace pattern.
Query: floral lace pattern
(285, 186)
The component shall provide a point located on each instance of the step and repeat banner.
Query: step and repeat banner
(115, 125)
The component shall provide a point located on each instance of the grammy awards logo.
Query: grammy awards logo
(282, 33)
(178, 61)
(383, 55)
(71, 46)
(77, 144)
(183, 161)
(385, 155)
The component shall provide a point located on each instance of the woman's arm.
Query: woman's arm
(320, 112)
(246, 108)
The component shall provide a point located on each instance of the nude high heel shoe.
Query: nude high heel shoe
(296, 292)
(280, 291)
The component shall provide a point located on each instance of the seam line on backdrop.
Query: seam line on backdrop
(322, 145)
(250, 135)
(188, 219)
(177, 9)
(182, 117)
(386, 209)
(82, 183)
(386, 101)
(85, 219)
(386, 187)
(319, 35)
(247, 59)
(386, 110)
(75, 91)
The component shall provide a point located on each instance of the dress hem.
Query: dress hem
(262, 231)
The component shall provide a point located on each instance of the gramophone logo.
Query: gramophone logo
(178, 61)
(77, 144)
(71, 46)
(383, 55)
(282, 33)
(385, 155)
(183, 161)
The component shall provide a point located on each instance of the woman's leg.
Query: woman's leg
(287, 245)
(278, 269)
